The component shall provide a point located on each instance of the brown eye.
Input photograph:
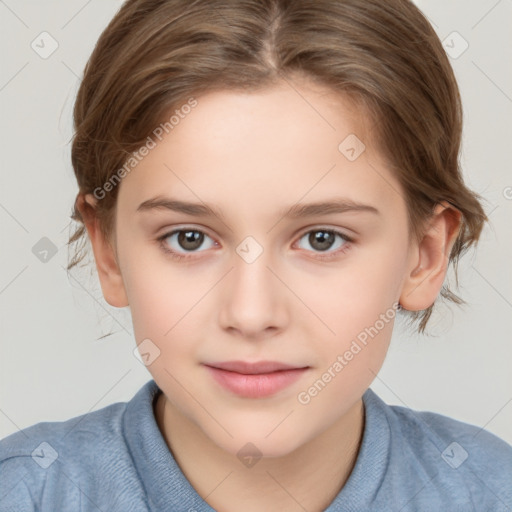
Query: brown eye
(190, 240)
(321, 240)
(182, 241)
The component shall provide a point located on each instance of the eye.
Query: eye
(186, 240)
(323, 239)
(189, 240)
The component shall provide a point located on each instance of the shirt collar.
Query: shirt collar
(368, 473)
(167, 487)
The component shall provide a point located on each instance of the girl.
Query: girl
(266, 184)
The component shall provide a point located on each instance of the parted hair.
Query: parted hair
(384, 55)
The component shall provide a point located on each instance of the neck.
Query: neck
(311, 476)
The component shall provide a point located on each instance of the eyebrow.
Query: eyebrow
(296, 211)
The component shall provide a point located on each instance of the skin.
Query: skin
(251, 156)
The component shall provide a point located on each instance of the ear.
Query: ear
(430, 258)
(109, 274)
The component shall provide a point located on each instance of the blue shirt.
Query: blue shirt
(116, 459)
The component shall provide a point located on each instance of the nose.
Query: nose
(253, 301)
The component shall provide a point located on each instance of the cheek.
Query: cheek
(357, 306)
(355, 295)
(162, 309)
(158, 292)
(348, 361)
(160, 305)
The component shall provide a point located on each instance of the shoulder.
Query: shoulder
(50, 458)
(459, 441)
(101, 426)
(466, 460)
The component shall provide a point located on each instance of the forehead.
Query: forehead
(277, 145)
(232, 122)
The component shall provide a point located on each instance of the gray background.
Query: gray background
(51, 365)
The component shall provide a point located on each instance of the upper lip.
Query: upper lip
(248, 368)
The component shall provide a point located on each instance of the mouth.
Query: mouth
(259, 367)
(255, 380)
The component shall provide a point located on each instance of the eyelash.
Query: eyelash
(179, 257)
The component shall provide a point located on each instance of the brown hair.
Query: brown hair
(155, 54)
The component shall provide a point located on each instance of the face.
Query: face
(254, 281)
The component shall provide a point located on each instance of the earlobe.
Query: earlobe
(429, 262)
(109, 274)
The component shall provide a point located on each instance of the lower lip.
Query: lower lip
(256, 386)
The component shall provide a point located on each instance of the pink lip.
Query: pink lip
(255, 380)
